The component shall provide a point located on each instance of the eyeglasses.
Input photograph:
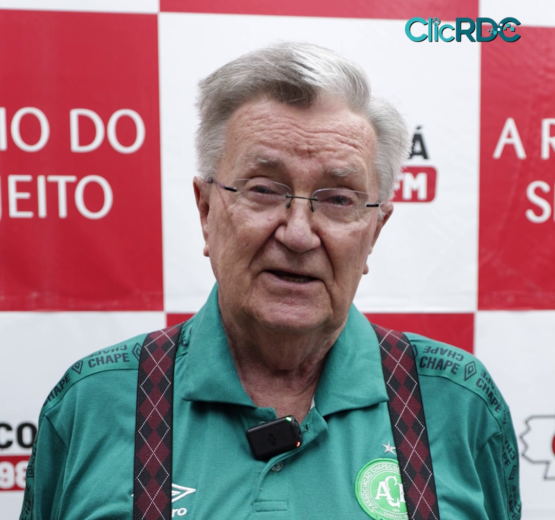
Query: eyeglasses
(337, 204)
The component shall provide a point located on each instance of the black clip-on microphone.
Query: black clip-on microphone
(275, 437)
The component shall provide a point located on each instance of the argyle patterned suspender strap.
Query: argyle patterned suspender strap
(152, 484)
(410, 434)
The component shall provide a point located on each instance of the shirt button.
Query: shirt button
(278, 466)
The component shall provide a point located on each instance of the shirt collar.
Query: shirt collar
(352, 377)
(210, 373)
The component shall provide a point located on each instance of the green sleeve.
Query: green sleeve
(45, 474)
(45, 480)
(497, 467)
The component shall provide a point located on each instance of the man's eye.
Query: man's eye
(262, 189)
(337, 199)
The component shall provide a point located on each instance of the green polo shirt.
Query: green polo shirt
(82, 462)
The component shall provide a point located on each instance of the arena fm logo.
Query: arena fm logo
(539, 443)
(436, 31)
(417, 183)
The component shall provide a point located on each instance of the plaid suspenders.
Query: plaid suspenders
(406, 412)
(153, 436)
(152, 484)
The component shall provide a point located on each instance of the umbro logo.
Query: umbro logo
(178, 492)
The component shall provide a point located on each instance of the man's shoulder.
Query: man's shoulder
(107, 363)
(467, 374)
(121, 356)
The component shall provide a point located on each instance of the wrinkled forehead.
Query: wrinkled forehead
(326, 137)
(259, 161)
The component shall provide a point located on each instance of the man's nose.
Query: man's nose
(297, 232)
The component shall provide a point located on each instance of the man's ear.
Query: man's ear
(200, 187)
(386, 211)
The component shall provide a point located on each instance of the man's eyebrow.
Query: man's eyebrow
(342, 171)
(269, 162)
(274, 163)
(253, 161)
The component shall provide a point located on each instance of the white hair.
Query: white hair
(297, 74)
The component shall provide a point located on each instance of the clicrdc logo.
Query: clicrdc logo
(416, 30)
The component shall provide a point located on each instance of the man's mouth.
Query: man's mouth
(293, 277)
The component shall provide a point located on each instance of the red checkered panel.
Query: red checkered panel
(352, 9)
(98, 220)
(517, 185)
(80, 162)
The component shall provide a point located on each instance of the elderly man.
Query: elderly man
(297, 165)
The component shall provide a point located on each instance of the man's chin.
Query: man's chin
(285, 317)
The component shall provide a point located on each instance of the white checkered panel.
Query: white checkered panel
(411, 278)
(520, 349)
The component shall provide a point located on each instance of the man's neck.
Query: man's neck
(280, 371)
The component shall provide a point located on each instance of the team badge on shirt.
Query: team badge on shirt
(379, 490)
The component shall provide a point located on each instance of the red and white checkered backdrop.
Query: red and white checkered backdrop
(99, 236)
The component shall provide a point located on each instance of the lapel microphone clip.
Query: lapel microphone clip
(275, 437)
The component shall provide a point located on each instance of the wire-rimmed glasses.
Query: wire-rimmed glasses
(261, 194)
